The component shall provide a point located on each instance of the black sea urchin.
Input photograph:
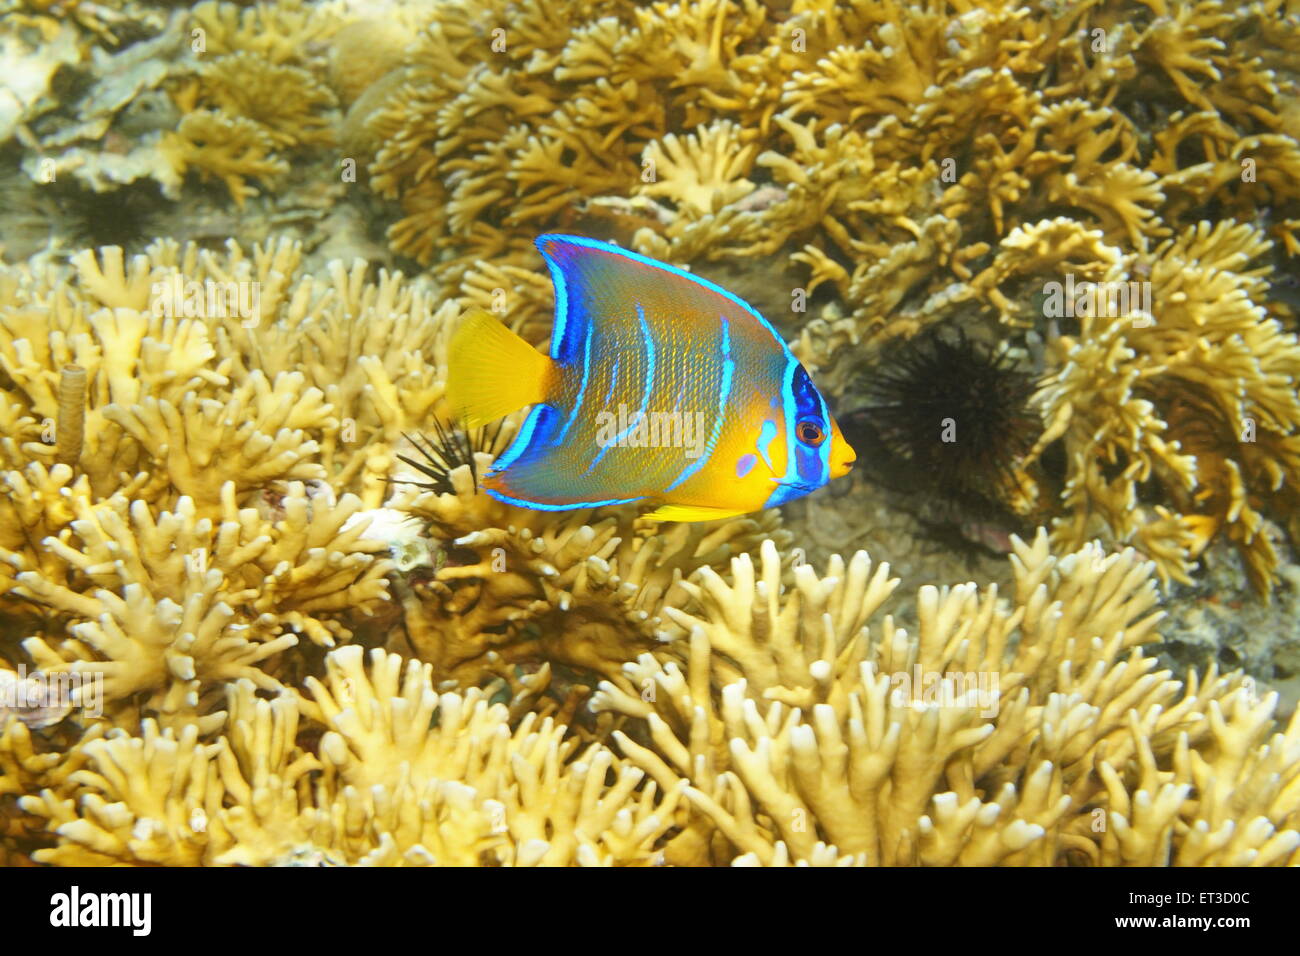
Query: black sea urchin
(448, 450)
(947, 417)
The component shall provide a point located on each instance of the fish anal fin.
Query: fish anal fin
(689, 513)
(492, 372)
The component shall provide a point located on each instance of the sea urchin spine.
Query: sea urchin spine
(446, 451)
(949, 417)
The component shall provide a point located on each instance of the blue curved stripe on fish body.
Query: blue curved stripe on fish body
(724, 391)
(645, 396)
(538, 506)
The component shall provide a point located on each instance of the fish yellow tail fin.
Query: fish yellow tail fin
(492, 371)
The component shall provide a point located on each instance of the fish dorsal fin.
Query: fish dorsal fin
(689, 513)
(492, 371)
(594, 279)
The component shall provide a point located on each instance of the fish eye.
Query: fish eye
(810, 433)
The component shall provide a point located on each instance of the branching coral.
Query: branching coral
(279, 32)
(404, 776)
(1034, 732)
(576, 590)
(208, 521)
(1196, 397)
(283, 100)
(1030, 731)
(223, 92)
(762, 722)
(231, 149)
(905, 165)
(302, 376)
(700, 173)
(175, 604)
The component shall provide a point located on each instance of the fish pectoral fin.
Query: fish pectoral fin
(689, 513)
(492, 372)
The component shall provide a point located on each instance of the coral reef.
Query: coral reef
(906, 168)
(254, 611)
(385, 788)
(779, 726)
(215, 509)
(167, 105)
(582, 589)
(898, 166)
(808, 738)
(196, 450)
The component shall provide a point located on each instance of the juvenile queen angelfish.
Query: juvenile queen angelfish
(660, 387)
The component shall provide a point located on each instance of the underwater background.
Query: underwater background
(1042, 259)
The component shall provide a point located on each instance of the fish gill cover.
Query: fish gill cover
(252, 600)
